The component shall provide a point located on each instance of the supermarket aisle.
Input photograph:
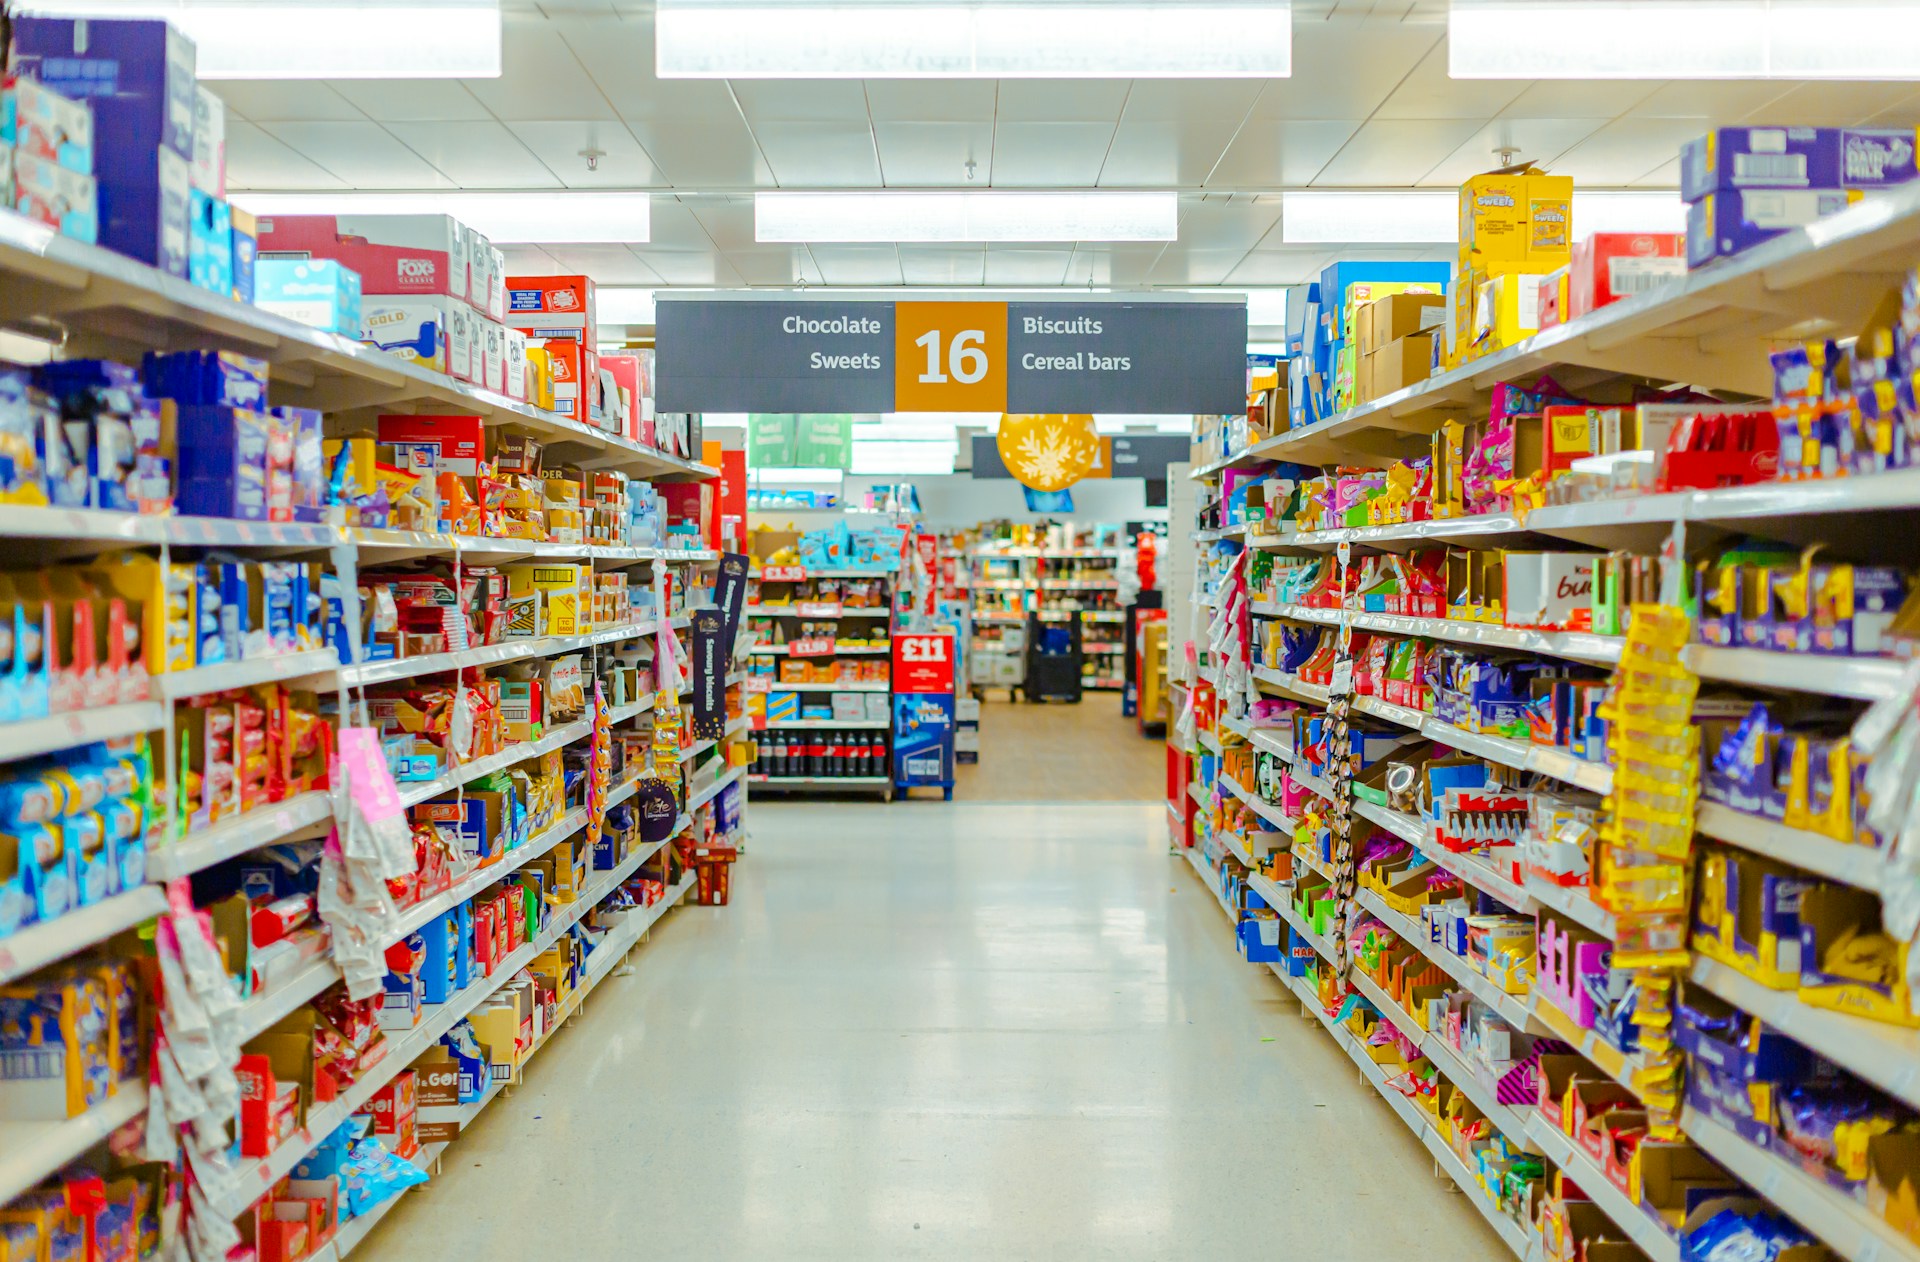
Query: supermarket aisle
(910, 1039)
(1062, 753)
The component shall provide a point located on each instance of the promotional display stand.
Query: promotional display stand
(923, 712)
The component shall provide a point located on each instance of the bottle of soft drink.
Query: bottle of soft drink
(776, 759)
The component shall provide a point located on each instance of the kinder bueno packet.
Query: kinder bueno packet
(396, 255)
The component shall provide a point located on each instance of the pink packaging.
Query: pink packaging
(395, 255)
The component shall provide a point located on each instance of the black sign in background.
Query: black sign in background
(1180, 358)
(709, 676)
(1134, 456)
(737, 357)
(730, 595)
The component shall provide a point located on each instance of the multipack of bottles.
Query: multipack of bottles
(822, 754)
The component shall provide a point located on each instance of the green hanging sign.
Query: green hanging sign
(770, 441)
(823, 441)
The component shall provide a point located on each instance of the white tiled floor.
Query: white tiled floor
(941, 1031)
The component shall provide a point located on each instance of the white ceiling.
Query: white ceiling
(1370, 105)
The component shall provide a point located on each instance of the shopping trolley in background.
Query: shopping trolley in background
(1056, 654)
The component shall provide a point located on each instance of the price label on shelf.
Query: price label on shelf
(811, 646)
(817, 608)
(783, 573)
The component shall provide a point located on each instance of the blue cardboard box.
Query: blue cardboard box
(209, 242)
(319, 292)
(1795, 157)
(138, 74)
(1723, 224)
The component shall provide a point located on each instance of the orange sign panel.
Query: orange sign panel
(950, 357)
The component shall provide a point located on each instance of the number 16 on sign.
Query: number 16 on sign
(950, 357)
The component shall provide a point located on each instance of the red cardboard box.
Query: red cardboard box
(1609, 266)
(394, 1110)
(552, 306)
(690, 502)
(575, 364)
(625, 370)
(462, 439)
(394, 254)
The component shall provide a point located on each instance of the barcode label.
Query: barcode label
(1770, 166)
(1629, 276)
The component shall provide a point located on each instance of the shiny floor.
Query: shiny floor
(1062, 753)
(941, 1031)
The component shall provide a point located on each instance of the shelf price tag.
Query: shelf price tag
(783, 574)
(811, 646)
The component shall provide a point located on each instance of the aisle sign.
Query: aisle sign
(1094, 354)
(922, 664)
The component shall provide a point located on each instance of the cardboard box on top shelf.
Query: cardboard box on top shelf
(1609, 266)
(1516, 213)
(572, 364)
(1506, 311)
(625, 373)
(552, 307)
(1388, 319)
(413, 256)
(1403, 362)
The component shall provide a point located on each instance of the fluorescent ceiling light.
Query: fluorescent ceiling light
(1433, 218)
(320, 39)
(985, 39)
(965, 216)
(558, 217)
(1684, 39)
(617, 305)
(871, 456)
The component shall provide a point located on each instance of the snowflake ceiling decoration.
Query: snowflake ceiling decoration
(1049, 452)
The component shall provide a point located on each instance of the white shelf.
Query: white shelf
(780, 650)
(1888, 1056)
(619, 714)
(811, 573)
(30, 1151)
(29, 738)
(850, 725)
(51, 941)
(1864, 867)
(246, 673)
(415, 791)
(1844, 1223)
(203, 847)
(1652, 1237)
(491, 654)
(1210, 879)
(780, 687)
(1265, 810)
(712, 791)
(787, 611)
(1511, 1008)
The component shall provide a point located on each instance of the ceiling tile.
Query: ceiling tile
(617, 51)
(857, 264)
(1715, 101)
(1061, 100)
(1625, 150)
(1222, 223)
(285, 100)
(1345, 69)
(725, 221)
(607, 264)
(1282, 265)
(931, 100)
(1272, 153)
(772, 265)
(821, 155)
(1429, 91)
(1540, 140)
(1049, 155)
(1150, 152)
(365, 155)
(801, 100)
(476, 155)
(1833, 104)
(1580, 98)
(623, 163)
(1011, 265)
(687, 267)
(915, 153)
(1121, 263)
(943, 264)
(541, 78)
(1666, 175)
(718, 153)
(1394, 152)
(1181, 265)
(1188, 98)
(412, 100)
(529, 260)
(257, 160)
(1903, 114)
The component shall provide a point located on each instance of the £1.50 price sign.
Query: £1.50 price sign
(922, 664)
(950, 357)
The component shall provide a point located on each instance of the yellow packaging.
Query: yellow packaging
(1506, 310)
(1515, 215)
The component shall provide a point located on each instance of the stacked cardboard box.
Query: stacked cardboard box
(1516, 227)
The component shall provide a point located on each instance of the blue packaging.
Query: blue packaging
(138, 74)
(246, 253)
(1723, 224)
(1730, 158)
(223, 463)
(318, 292)
(209, 242)
(146, 215)
(216, 378)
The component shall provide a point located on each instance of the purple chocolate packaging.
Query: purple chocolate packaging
(147, 217)
(1723, 224)
(223, 463)
(1796, 157)
(138, 75)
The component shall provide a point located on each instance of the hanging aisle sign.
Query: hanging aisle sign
(869, 355)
